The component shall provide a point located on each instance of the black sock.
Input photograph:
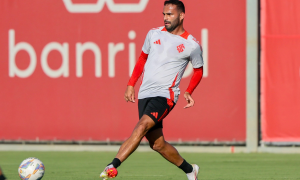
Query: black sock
(186, 167)
(2, 177)
(116, 163)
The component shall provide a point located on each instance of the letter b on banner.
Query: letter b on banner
(13, 50)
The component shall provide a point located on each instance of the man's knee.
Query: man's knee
(141, 129)
(158, 145)
(144, 125)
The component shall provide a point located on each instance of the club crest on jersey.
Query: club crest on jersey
(180, 48)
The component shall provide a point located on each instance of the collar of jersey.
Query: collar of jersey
(184, 35)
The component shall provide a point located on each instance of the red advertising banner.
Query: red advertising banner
(280, 67)
(65, 65)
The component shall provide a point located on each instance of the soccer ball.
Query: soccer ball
(31, 169)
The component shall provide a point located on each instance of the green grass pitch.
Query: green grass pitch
(150, 166)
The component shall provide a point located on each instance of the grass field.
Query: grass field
(149, 166)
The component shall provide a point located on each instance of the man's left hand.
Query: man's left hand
(189, 100)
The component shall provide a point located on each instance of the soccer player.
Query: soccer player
(2, 177)
(165, 54)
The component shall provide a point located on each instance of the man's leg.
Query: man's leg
(130, 145)
(158, 143)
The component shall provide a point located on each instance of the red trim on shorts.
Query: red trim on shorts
(171, 90)
(170, 103)
(164, 115)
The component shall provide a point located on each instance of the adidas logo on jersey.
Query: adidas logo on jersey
(157, 42)
(180, 48)
(155, 114)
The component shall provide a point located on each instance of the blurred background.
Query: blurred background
(65, 64)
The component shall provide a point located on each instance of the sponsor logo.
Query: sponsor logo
(64, 48)
(180, 48)
(155, 114)
(157, 42)
(113, 7)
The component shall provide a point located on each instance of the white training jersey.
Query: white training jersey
(168, 56)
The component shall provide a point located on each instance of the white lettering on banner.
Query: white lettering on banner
(63, 49)
(131, 36)
(112, 52)
(64, 68)
(204, 45)
(80, 49)
(131, 57)
(113, 7)
(13, 50)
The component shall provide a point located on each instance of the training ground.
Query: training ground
(83, 165)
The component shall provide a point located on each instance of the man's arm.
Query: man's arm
(137, 71)
(195, 80)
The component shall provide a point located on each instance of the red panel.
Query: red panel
(90, 107)
(280, 71)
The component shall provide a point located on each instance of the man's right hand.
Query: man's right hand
(129, 94)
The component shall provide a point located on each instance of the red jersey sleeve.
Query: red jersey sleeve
(196, 78)
(138, 69)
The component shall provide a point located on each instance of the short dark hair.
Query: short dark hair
(179, 4)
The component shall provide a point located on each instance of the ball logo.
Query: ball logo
(113, 7)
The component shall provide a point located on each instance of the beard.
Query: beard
(173, 25)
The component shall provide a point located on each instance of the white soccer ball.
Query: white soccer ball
(31, 169)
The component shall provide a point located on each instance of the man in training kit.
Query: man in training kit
(165, 54)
